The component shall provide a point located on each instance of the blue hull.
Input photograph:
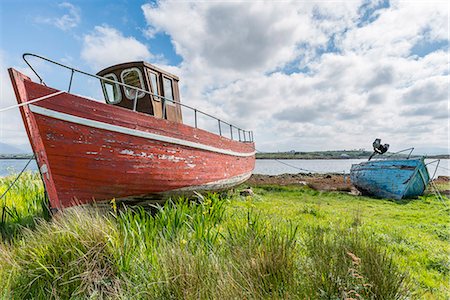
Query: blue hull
(395, 179)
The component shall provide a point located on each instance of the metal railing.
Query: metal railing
(398, 153)
(242, 136)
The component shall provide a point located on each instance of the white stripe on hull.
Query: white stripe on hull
(138, 133)
(216, 185)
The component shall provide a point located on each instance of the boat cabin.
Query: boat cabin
(162, 99)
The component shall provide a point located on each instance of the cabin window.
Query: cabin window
(133, 77)
(111, 90)
(168, 89)
(155, 86)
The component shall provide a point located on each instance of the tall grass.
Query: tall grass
(22, 204)
(189, 251)
(68, 257)
(350, 264)
(205, 249)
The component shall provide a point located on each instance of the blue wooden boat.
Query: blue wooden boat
(395, 179)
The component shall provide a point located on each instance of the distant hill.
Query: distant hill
(10, 149)
(337, 154)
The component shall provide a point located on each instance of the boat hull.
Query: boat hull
(395, 179)
(91, 152)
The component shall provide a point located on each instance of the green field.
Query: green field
(284, 242)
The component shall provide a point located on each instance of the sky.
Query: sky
(303, 75)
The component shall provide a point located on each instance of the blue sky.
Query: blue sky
(303, 75)
(35, 28)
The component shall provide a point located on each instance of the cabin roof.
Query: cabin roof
(135, 64)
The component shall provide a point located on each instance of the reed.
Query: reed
(68, 257)
(349, 263)
(23, 204)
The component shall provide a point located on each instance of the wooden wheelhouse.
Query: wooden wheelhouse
(162, 93)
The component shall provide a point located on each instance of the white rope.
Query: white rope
(31, 101)
(438, 194)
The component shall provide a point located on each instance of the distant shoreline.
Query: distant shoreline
(286, 155)
(334, 155)
(16, 156)
(344, 158)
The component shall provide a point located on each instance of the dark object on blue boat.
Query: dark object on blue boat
(395, 179)
(378, 148)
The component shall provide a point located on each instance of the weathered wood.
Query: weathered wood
(395, 179)
(149, 104)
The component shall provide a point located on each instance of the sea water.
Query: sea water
(264, 166)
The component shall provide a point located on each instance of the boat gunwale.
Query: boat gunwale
(139, 133)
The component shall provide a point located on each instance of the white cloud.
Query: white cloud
(107, 46)
(12, 130)
(354, 75)
(65, 22)
(428, 91)
(70, 20)
(399, 28)
(304, 75)
(243, 36)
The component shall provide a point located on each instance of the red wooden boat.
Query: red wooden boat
(134, 147)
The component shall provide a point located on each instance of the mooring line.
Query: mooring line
(32, 101)
(444, 168)
(289, 165)
(295, 167)
(17, 178)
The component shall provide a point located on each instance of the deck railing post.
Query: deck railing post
(195, 117)
(239, 134)
(135, 101)
(70, 82)
(163, 100)
(220, 129)
(231, 131)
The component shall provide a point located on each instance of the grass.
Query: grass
(285, 242)
(22, 204)
(415, 232)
